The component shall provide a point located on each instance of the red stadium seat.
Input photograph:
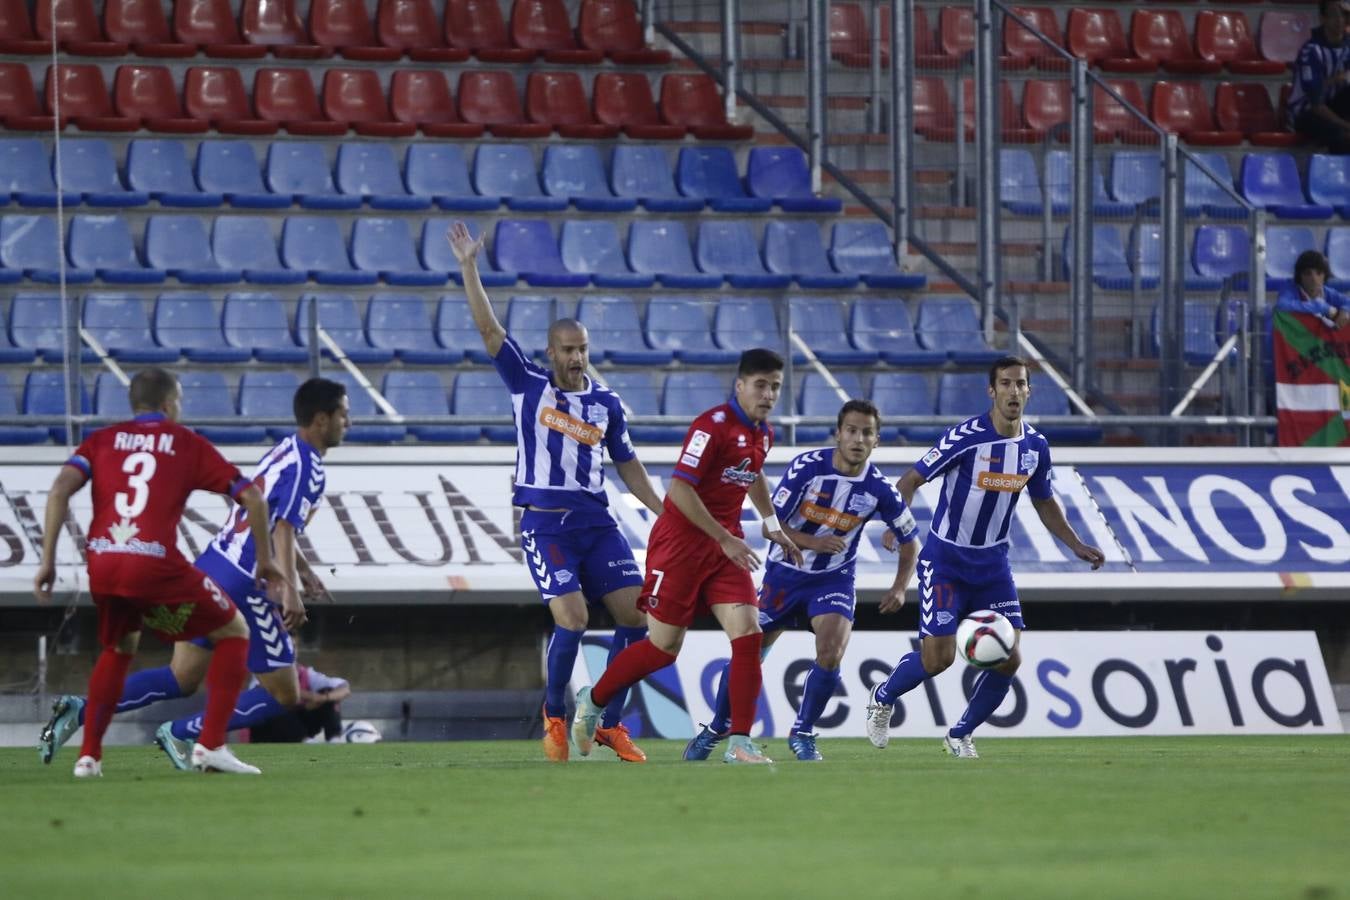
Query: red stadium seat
(411, 27)
(693, 102)
(16, 31)
(933, 111)
(286, 96)
(558, 100)
(1114, 120)
(478, 26)
(926, 52)
(1226, 37)
(1046, 105)
(848, 34)
(1247, 108)
(141, 24)
(356, 97)
(276, 24)
(1013, 131)
(77, 28)
(1096, 36)
(216, 94)
(85, 99)
(490, 99)
(19, 108)
(210, 25)
(1020, 44)
(1160, 36)
(1283, 33)
(956, 31)
(148, 93)
(612, 27)
(625, 99)
(543, 25)
(1181, 107)
(422, 97)
(346, 25)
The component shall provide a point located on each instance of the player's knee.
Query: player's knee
(830, 656)
(938, 658)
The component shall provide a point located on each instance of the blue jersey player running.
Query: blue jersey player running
(985, 464)
(573, 547)
(291, 477)
(823, 501)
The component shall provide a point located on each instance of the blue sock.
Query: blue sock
(253, 707)
(562, 656)
(820, 685)
(721, 720)
(145, 687)
(909, 673)
(990, 689)
(623, 636)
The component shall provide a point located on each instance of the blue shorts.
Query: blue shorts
(269, 644)
(789, 598)
(948, 591)
(576, 551)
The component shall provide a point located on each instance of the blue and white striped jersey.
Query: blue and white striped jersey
(814, 498)
(561, 437)
(290, 476)
(983, 473)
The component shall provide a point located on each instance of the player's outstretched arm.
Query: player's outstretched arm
(894, 598)
(639, 483)
(292, 607)
(67, 483)
(466, 250)
(1052, 516)
(266, 573)
(773, 529)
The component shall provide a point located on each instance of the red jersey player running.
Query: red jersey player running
(697, 558)
(143, 471)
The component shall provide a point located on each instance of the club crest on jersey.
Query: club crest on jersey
(1030, 459)
(862, 504)
(739, 474)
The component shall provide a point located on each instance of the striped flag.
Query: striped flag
(1312, 381)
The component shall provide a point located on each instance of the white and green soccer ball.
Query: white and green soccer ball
(985, 639)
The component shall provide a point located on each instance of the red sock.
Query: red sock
(746, 679)
(635, 663)
(224, 681)
(105, 690)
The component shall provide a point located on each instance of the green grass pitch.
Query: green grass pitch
(1075, 818)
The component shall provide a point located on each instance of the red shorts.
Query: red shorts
(178, 605)
(687, 574)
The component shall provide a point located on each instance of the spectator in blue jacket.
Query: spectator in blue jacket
(1308, 292)
(1319, 103)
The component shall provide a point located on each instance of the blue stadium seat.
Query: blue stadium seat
(528, 319)
(729, 249)
(819, 321)
(1221, 251)
(369, 171)
(660, 247)
(31, 245)
(439, 171)
(119, 323)
(35, 326)
(17, 434)
(110, 397)
(680, 326)
(363, 406)
(400, 323)
(11, 354)
(89, 170)
(207, 395)
(44, 394)
(864, 248)
(692, 393)
(456, 332)
(592, 247)
(179, 245)
(422, 394)
(1284, 243)
(1198, 337)
(1338, 257)
(741, 323)
(1019, 183)
(882, 325)
(781, 175)
(26, 174)
(1271, 180)
(1202, 195)
(161, 169)
(246, 243)
(527, 246)
(339, 317)
(314, 244)
(268, 395)
(190, 321)
(709, 174)
(1145, 251)
(1136, 177)
(816, 398)
(482, 393)
(794, 248)
(104, 244)
(616, 332)
(438, 257)
(1329, 181)
(640, 394)
(300, 170)
(507, 171)
(1059, 187)
(385, 247)
(963, 394)
(574, 172)
(643, 173)
(256, 321)
(230, 168)
(1110, 269)
(905, 394)
(1049, 399)
(950, 323)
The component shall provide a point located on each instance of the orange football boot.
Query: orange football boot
(618, 740)
(555, 738)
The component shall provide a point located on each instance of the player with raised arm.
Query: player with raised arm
(985, 463)
(697, 558)
(823, 501)
(291, 478)
(574, 550)
(142, 472)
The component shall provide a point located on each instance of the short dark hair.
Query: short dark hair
(758, 361)
(151, 388)
(318, 395)
(1310, 261)
(1007, 362)
(564, 325)
(1322, 6)
(866, 407)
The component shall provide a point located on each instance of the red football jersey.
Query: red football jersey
(143, 471)
(722, 456)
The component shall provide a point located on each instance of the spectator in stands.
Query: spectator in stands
(1319, 103)
(318, 711)
(1308, 292)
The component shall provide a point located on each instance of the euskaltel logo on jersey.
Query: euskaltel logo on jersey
(739, 474)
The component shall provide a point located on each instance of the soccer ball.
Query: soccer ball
(360, 732)
(985, 639)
